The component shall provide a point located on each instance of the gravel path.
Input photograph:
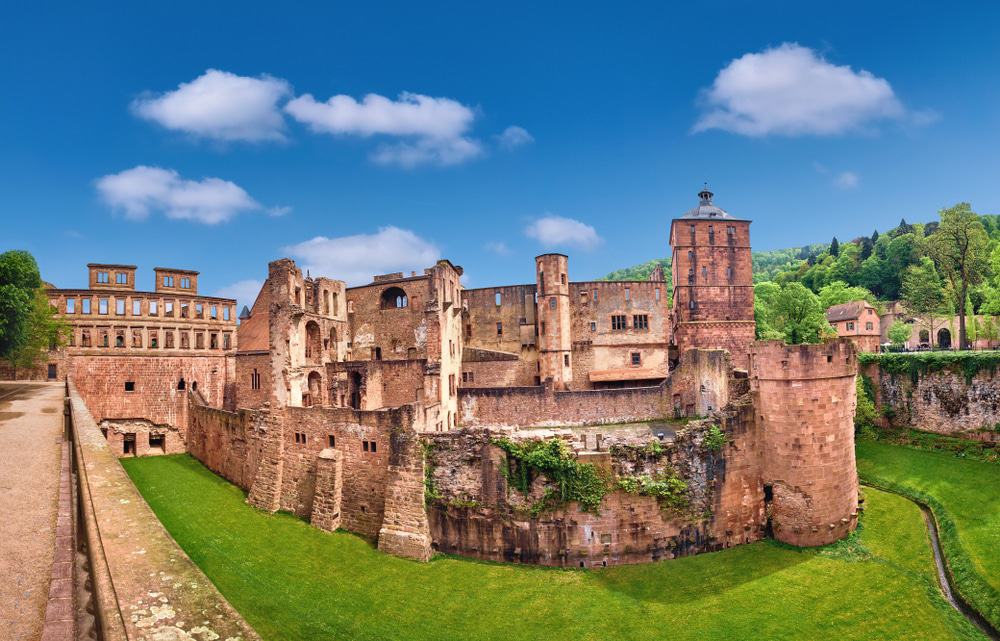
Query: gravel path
(31, 424)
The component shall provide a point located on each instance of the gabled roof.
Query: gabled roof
(847, 311)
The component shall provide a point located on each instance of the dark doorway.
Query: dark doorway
(356, 390)
(157, 444)
(129, 445)
(768, 497)
(944, 338)
(52, 371)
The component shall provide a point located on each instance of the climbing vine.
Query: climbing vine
(915, 364)
(553, 458)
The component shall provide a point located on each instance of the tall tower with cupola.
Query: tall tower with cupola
(712, 281)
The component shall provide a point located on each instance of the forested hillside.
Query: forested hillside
(937, 269)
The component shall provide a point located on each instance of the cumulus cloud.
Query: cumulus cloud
(557, 231)
(244, 291)
(514, 137)
(435, 128)
(499, 248)
(142, 190)
(847, 180)
(357, 258)
(221, 106)
(790, 90)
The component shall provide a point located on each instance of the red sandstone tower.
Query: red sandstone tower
(806, 399)
(712, 281)
(554, 338)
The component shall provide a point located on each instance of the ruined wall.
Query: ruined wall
(397, 332)
(537, 406)
(475, 512)
(101, 380)
(508, 327)
(806, 400)
(600, 344)
(945, 401)
(253, 378)
(143, 437)
(487, 368)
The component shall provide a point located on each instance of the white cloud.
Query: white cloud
(847, 180)
(221, 106)
(244, 291)
(499, 248)
(142, 190)
(553, 231)
(514, 137)
(790, 90)
(357, 258)
(436, 127)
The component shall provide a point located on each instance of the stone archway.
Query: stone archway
(314, 343)
(315, 384)
(944, 338)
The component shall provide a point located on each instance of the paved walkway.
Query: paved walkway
(31, 427)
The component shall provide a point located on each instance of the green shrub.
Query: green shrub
(553, 458)
(715, 439)
(865, 413)
(670, 490)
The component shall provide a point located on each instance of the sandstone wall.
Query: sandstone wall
(944, 402)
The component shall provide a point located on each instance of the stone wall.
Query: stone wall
(944, 402)
(475, 512)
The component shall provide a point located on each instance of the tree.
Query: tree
(28, 324)
(970, 322)
(835, 248)
(899, 333)
(924, 294)
(959, 248)
(838, 292)
(794, 313)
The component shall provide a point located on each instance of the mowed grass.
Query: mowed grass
(292, 581)
(965, 497)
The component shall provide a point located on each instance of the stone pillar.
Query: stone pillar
(326, 502)
(405, 530)
(265, 491)
(806, 397)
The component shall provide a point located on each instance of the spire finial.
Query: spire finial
(705, 195)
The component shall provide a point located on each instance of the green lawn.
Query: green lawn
(292, 581)
(965, 497)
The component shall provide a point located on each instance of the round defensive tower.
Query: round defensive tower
(806, 400)
(554, 338)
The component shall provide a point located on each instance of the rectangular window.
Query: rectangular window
(869, 326)
(562, 278)
(499, 329)
(168, 281)
(593, 326)
(451, 385)
(70, 305)
(364, 445)
(497, 299)
(153, 308)
(618, 322)
(136, 307)
(199, 341)
(640, 321)
(225, 312)
(199, 310)
(85, 303)
(331, 440)
(583, 298)
(213, 312)
(255, 380)
(154, 340)
(129, 386)
(595, 294)
(850, 327)
(636, 359)
(552, 303)
(213, 341)
(168, 339)
(184, 310)
(102, 277)
(628, 294)
(185, 283)
(168, 308)
(692, 304)
(121, 278)
(566, 360)
(102, 306)
(227, 341)
(656, 292)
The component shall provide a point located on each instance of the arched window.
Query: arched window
(394, 298)
(180, 384)
(315, 382)
(313, 341)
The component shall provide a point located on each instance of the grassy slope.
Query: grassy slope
(965, 496)
(292, 581)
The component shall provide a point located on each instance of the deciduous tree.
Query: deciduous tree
(959, 248)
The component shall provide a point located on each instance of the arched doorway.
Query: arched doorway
(925, 337)
(314, 344)
(315, 396)
(944, 338)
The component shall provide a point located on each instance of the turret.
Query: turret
(806, 400)
(554, 341)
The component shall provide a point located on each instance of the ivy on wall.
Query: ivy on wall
(916, 364)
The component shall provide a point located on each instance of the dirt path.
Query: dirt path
(31, 426)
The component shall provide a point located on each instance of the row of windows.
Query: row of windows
(704, 274)
(869, 326)
(134, 338)
(730, 232)
(620, 322)
(185, 281)
(169, 308)
(302, 438)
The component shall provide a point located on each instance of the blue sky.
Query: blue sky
(118, 144)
